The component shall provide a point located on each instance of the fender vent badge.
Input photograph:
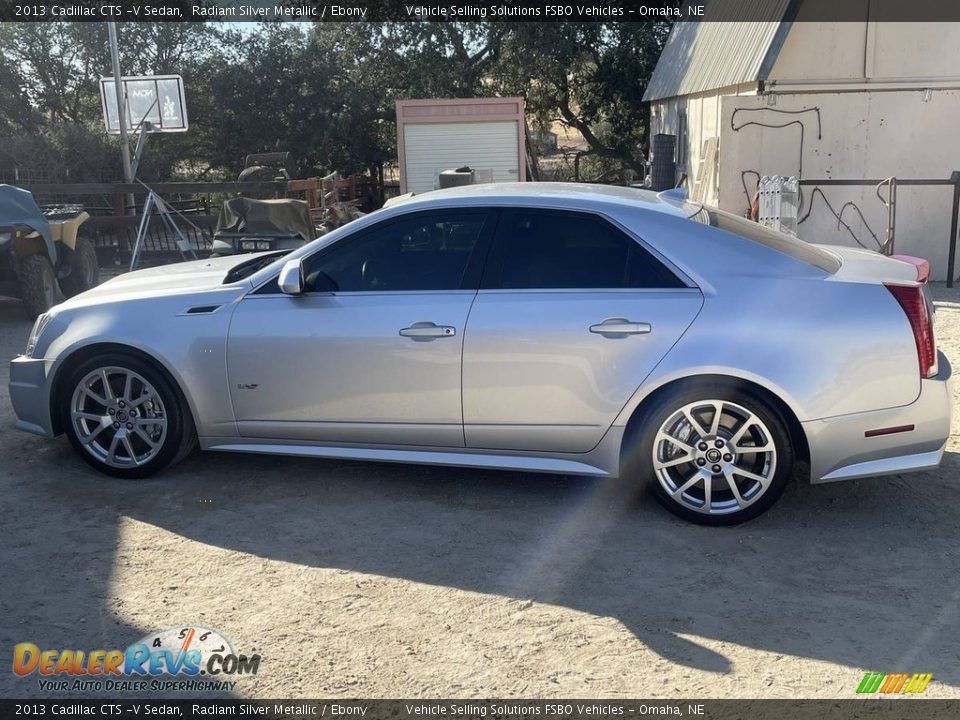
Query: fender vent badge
(201, 310)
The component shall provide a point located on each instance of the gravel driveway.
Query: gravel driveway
(368, 580)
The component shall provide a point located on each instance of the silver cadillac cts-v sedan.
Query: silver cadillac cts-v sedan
(545, 327)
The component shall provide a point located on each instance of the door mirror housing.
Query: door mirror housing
(291, 278)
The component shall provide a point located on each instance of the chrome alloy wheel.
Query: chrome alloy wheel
(118, 417)
(714, 457)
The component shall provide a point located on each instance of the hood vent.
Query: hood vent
(201, 310)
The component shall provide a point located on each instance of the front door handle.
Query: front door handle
(620, 326)
(428, 330)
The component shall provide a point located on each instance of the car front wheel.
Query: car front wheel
(714, 456)
(124, 418)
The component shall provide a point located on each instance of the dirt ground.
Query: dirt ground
(366, 580)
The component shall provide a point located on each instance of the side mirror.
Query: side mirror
(291, 278)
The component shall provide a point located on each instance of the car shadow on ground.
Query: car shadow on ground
(860, 574)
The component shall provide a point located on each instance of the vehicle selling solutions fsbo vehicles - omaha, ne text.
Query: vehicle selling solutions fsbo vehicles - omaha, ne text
(546, 327)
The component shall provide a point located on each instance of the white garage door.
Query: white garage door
(490, 148)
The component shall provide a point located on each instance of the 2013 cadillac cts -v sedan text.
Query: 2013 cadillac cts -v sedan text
(546, 327)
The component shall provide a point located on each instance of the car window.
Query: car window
(780, 241)
(421, 252)
(558, 250)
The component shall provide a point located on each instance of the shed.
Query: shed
(869, 97)
(486, 134)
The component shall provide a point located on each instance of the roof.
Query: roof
(705, 55)
(558, 194)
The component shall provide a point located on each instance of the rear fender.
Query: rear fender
(655, 384)
(823, 348)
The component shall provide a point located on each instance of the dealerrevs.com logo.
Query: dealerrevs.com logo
(187, 658)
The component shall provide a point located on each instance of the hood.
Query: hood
(176, 279)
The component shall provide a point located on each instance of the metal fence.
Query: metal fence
(889, 199)
(113, 222)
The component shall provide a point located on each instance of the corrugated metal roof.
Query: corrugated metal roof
(709, 54)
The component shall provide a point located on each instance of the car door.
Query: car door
(572, 315)
(370, 352)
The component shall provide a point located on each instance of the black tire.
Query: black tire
(639, 449)
(85, 270)
(38, 285)
(180, 438)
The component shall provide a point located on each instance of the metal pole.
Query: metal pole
(955, 179)
(138, 152)
(118, 89)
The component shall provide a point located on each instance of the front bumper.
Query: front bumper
(841, 450)
(30, 394)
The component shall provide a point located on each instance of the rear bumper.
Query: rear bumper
(30, 395)
(841, 450)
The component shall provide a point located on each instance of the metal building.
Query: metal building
(486, 134)
(793, 95)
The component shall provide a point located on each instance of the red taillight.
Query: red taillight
(914, 304)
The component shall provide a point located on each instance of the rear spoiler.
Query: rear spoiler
(922, 266)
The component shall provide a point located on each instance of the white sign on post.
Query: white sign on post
(155, 99)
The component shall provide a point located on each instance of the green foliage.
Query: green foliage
(588, 76)
(50, 113)
(325, 92)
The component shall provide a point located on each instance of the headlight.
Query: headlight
(263, 245)
(38, 327)
(5, 237)
(248, 245)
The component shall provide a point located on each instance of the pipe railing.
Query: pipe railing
(953, 180)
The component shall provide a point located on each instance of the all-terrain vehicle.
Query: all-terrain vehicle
(41, 257)
(246, 225)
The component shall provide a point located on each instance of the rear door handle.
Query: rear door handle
(428, 330)
(620, 326)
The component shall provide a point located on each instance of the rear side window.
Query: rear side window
(542, 249)
(781, 242)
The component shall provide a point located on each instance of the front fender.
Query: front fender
(190, 348)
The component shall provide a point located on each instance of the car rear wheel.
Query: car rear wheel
(124, 418)
(714, 456)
